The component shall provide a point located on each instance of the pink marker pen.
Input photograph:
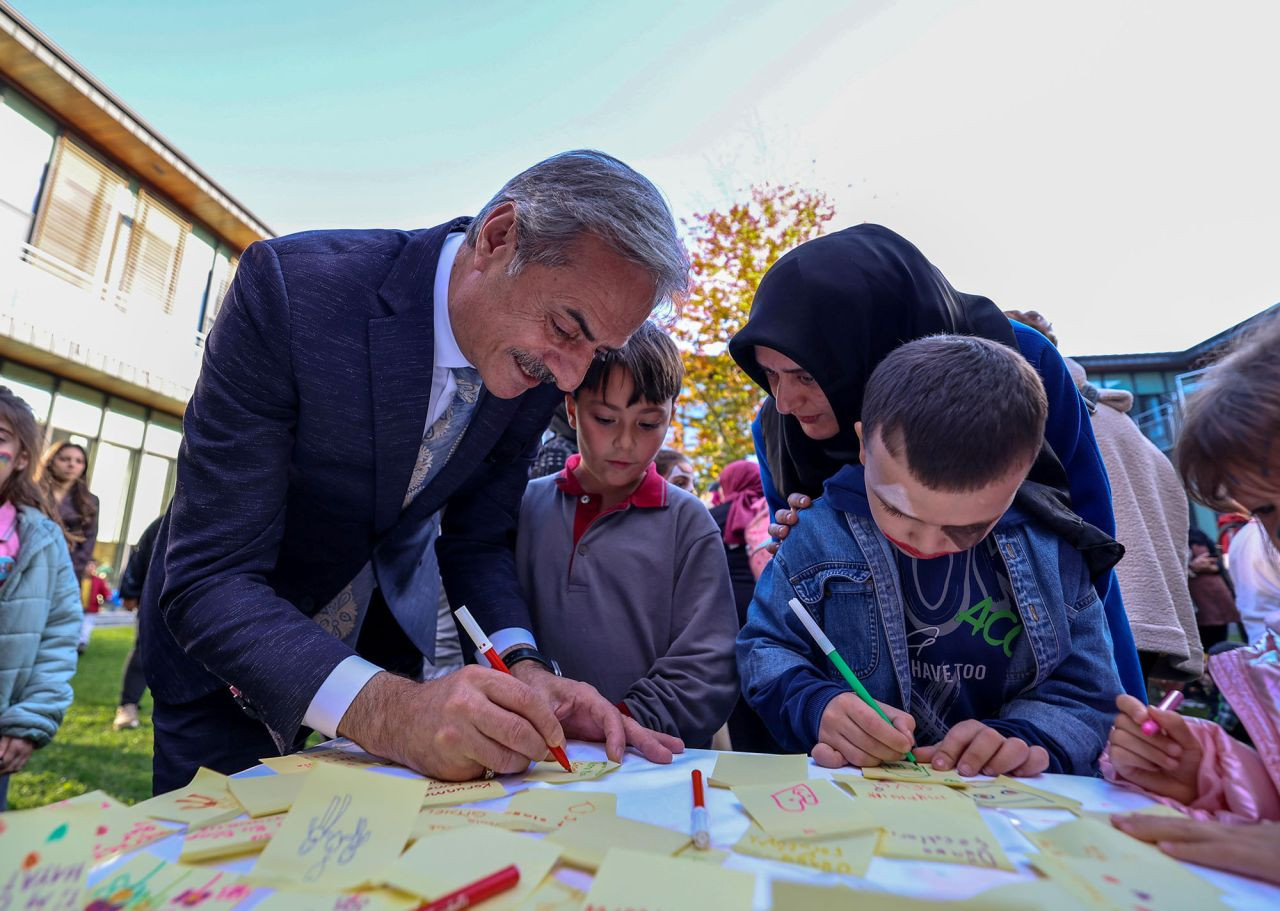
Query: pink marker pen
(1169, 703)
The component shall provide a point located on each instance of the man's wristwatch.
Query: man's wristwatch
(529, 653)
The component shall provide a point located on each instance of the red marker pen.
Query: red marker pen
(493, 884)
(701, 823)
(486, 648)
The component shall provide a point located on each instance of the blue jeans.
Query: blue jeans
(4, 793)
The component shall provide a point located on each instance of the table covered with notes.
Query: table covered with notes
(337, 830)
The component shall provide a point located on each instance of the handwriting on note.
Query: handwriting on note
(452, 793)
(302, 762)
(913, 771)
(554, 808)
(1155, 884)
(583, 770)
(346, 826)
(141, 883)
(1014, 794)
(120, 831)
(229, 839)
(849, 855)
(632, 881)
(806, 809)
(205, 801)
(44, 857)
(287, 899)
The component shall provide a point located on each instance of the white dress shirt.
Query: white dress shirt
(345, 681)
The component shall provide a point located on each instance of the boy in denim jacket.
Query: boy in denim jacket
(942, 597)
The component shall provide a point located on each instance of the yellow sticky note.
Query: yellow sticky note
(1042, 895)
(793, 896)
(100, 799)
(44, 855)
(586, 841)
(554, 895)
(634, 881)
(302, 762)
(365, 900)
(266, 795)
(704, 855)
(346, 827)
(443, 863)
(206, 890)
(914, 771)
(1131, 885)
(552, 808)
(806, 809)
(740, 769)
(122, 830)
(439, 819)
(204, 802)
(1017, 794)
(583, 770)
(1094, 839)
(229, 839)
(849, 855)
(452, 793)
(141, 883)
(926, 822)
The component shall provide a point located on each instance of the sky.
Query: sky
(1109, 163)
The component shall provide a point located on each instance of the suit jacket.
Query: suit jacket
(298, 444)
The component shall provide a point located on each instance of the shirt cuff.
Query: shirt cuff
(336, 694)
(506, 639)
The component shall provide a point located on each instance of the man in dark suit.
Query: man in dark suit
(355, 384)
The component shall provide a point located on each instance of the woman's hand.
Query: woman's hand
(1200, 563)
(1248, 849)
(785, 518)
(1166, 763)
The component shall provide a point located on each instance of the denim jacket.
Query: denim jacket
(1062, 681)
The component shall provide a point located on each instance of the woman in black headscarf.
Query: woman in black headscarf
(824, 317)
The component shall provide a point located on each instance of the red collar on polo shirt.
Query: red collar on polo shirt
(650, 493)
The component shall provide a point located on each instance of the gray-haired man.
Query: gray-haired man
(355, 384)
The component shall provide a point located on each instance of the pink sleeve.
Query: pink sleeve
(1233, 783)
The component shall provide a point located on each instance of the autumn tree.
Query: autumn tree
(730, 251)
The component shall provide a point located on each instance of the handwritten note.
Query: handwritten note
(740, 769)
(439, 864)
(583, 770)
(553, 809)
(366, 900)
(634, 881)
(1015, 794)
(440, 819)
(586, 841)
(849, 855)
(44, 857)
(345, 828)
(141, 883)
(926, 822)
(266, 795)
(913, 771)
(1094, 840)
(452, 793)
(302, 762)
(229, 839)
(205, 802)
(121, 830)
(806, 809)
(1139, 886)
(206, 890)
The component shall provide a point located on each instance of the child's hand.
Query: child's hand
(14, 753)
(1248, 850)
(972, 748)
(851, 733)
(1166, 763)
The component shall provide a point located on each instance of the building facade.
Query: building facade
(115, 252)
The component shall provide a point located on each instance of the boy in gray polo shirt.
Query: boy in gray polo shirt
(625, 574)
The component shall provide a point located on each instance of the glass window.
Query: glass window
(1117, 381)
(77, 409)
(124, 423)
(164, 436)
(148, 494)
(109, 479)
(193, 277)
(1148, 383)
(34, 386)
(24, 154)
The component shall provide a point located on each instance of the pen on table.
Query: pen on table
(825, 646)
(1169, 703)
(486, 648)
(474, 893)
(701, 824)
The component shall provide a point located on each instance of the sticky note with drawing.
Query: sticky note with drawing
(583, 770)
(926, 822)
(554, 808)
(914, 771)
(806, 809)
(848, 855)
(120, 830)
(1013, 793)
(737, 769)
(204, 802)
(439, 864)
(635, 881)
(1147, 885)
(346, 827)
(45, 855)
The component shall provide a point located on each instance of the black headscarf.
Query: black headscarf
(837, 306)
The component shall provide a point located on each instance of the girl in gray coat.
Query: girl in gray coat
(39, 601)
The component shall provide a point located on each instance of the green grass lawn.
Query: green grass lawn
(86, 754)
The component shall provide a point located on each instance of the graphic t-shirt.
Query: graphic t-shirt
(961, 625)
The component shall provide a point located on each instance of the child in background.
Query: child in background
(939, 593)
(1229, 462)
(625, 574)
(39, 601)
(94, 592)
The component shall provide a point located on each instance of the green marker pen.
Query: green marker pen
(824, 644)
